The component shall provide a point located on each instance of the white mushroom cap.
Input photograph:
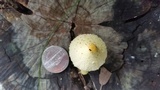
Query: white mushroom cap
(87, 52)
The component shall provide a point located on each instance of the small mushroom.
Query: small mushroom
(87, 52)
(55, 59)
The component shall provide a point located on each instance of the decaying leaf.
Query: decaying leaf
(104, 76)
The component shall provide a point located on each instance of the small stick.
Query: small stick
(83, 81)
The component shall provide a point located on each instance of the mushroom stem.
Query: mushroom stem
(84, 72)
(92, 47)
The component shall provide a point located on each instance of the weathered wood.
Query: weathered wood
(24, 42)
(23, 39)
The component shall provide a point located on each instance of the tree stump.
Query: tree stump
(130, 29)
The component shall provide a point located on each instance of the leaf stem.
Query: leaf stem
(101, 87)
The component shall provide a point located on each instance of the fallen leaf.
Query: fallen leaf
(104, 76)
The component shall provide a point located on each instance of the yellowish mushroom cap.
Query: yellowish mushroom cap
(87, 52)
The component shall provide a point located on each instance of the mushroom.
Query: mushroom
(87, 52)
(55, 59)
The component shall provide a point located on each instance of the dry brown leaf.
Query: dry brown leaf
(104, 76)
